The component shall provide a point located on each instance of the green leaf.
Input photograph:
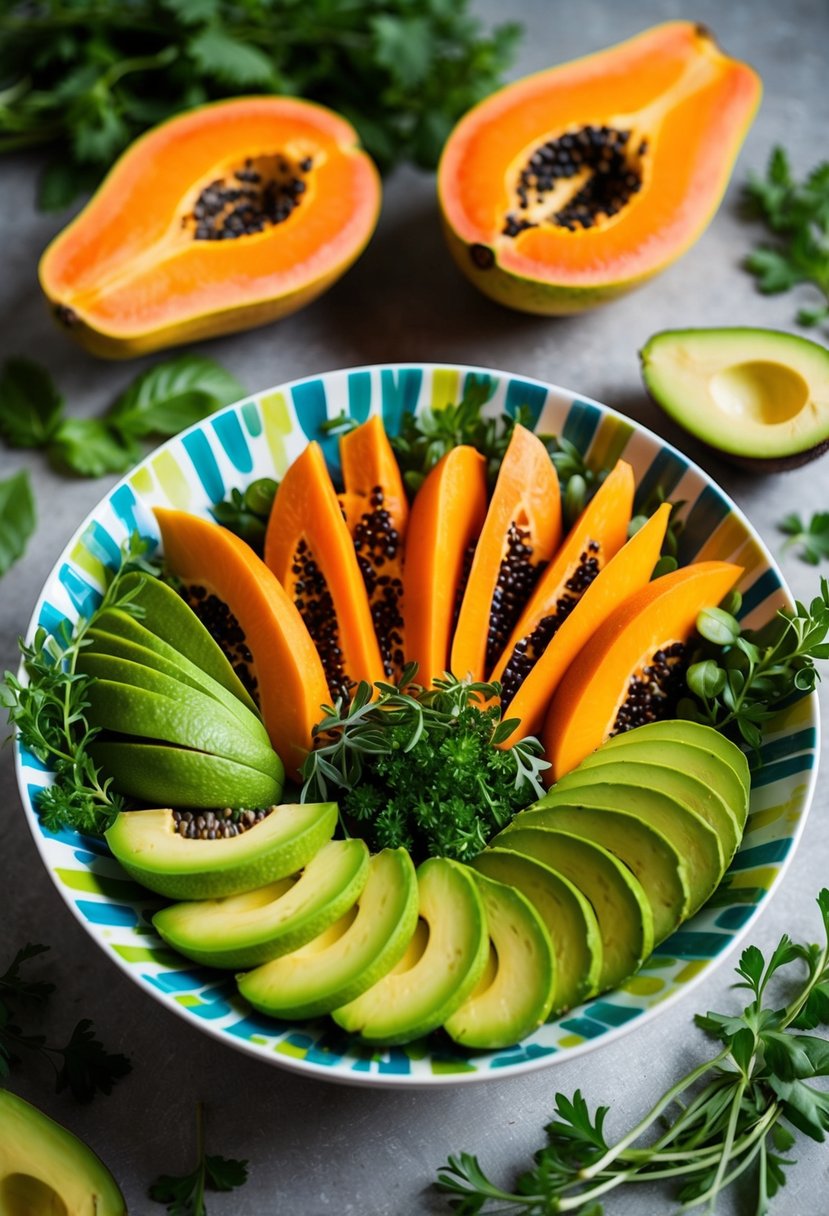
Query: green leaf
(88, 1068)
(30, 404)
(17, 518)
(90, 448)
(59, 184)
(718, 626)
(225, 1173)
(173, 395)
(192, 12)
(706, 679)
(405, 47)
(218, 54)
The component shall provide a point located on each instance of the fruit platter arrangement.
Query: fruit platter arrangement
(419, 721)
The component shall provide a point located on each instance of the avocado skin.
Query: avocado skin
(159, 774)
(40, 1159)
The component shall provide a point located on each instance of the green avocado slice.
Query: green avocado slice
(694, 839)
(621, 906)
(350, 956)
(159, 773)
(652, 857)
(47, 1171)
(442, 964)
(251, 928)
(699, 797)
(565, 913)
(515, 994)
(152, 852)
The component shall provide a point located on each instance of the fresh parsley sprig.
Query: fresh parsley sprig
(732, 1117)
(47, 710)
(184, 1195)
(812, 536)
(82, 1065)
(798, 215)
(423, 769)
(741, 678)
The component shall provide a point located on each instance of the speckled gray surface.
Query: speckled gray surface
(317, 1148)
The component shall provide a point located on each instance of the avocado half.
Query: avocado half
(758, 396)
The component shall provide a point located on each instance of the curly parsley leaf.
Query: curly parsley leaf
(184, 1194)
(88, 1068)
(812, 536)
(17, 518)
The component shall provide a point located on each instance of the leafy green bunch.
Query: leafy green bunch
(738, 678)
(85, 78)
(732, 1118)
(423, 769)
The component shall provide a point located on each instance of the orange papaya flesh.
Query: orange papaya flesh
(377, 514)
(243, 605)
(309, 549)
(573, 185)
(447, 516)
(631, 671)
(228, 216)
(595, 538)
(521, 532)
(628, 571)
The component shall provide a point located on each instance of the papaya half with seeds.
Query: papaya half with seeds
(245, 608)
(574, 185)
(631, 671)
(229, 216)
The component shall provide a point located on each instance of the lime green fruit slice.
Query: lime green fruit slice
(157, 773)
(350, 956)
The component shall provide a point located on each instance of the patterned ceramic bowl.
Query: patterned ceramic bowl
(259, 437)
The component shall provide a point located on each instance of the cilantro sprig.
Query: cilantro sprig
(48, 711)
(422, 769)
(734, 1117)
(184, 1194)
(797, 213)
(82, 1065)
(812, 536)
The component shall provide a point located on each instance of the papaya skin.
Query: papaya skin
(670, 86)
(126, 277)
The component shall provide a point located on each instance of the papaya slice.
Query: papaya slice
(377, 514)
(521, 532)
(228, 216)
(243, 605)
(571, 186)
(631, 671)
(447, 516)
(626, 572)
(309, 549)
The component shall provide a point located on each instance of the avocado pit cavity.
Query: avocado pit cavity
(264, 191)
(764, 392)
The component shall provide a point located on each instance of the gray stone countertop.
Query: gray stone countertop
(314, 1147)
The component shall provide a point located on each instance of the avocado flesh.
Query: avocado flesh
(175, 623)
(47, 1171)
(662, 872)
(155, 855)
(565, 913)
(251, 928)
(692, 837)
(753, 394)
(515, 994)
(696, 795)
(348, 957)
(621, 906)
(443, 963)
(158, 773)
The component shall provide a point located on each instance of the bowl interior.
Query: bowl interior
(259, 437)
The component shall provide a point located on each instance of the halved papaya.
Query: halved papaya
(632, 669)
(521, 532)
(447, 516)
(595, 538)
(626, 572)
(572, 186)
(377, 513)
(309, 549)
(243, 605)
(228, 216)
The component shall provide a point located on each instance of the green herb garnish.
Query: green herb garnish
(159, 403)
(84, 79)
(733, 1117)
(83, 1065)
(421, 769)
(17, 517)
(798, 214)
(813, 536)
(48, 712)
(184, 1195)
(740, 678)
(246, 512)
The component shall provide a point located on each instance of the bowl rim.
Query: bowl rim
(329, 1072)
